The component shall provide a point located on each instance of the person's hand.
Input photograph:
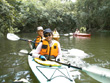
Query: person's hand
(30, 54)
(29, 41)
(42, 57)
(57, 59)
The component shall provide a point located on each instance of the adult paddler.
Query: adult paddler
(56, 35)
(38, 39)
(48, 48)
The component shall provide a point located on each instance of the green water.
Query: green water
(13, 66)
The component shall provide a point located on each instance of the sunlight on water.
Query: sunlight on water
(8, 73)
(14, 53)
(77, 53)
(75, 57)
(102, 63)
(20, 74)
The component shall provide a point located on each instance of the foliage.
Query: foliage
(7, 17)
(26, 15)
(93, 14)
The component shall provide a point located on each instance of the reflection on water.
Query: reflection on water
(80, 52)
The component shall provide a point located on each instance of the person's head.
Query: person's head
(77, 29)
(55, 29)
(40, 31)
(48, 34)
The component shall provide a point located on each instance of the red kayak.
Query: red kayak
(82, 34)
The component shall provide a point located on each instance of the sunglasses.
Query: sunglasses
(47, 34)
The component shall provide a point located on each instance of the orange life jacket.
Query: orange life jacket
(47, 50)
(38, 39)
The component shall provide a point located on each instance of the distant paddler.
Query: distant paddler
(56, 35)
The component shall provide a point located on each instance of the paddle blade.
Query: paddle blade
(23, 52)
(12, 37)
(98, 73)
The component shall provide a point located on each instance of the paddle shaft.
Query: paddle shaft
(14, 37)
(69, 65)
(26, 40)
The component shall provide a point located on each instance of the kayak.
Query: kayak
(56, 37)
(82, 34)
(49, 71)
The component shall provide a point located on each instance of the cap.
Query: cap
(39, 28)
(48, 30)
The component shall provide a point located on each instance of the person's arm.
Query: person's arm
(33, 44)
(37, 51)
(59, 52)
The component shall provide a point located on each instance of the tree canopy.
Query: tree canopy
(25, 15)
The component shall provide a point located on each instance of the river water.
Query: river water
(94, 50)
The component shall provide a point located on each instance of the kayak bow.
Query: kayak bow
(52, 74)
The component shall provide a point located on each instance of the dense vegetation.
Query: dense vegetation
(66, 16)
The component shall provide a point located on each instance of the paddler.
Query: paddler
(48, 48)
(56, 35)
(77, 31)
(38, 39)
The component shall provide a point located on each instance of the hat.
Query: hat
(39, 28)
(48, 30)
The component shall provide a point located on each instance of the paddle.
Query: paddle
(23, 52)
(98, 73)
(14, 37)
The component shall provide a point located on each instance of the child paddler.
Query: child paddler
(38, 39)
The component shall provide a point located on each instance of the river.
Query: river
(94, 50)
